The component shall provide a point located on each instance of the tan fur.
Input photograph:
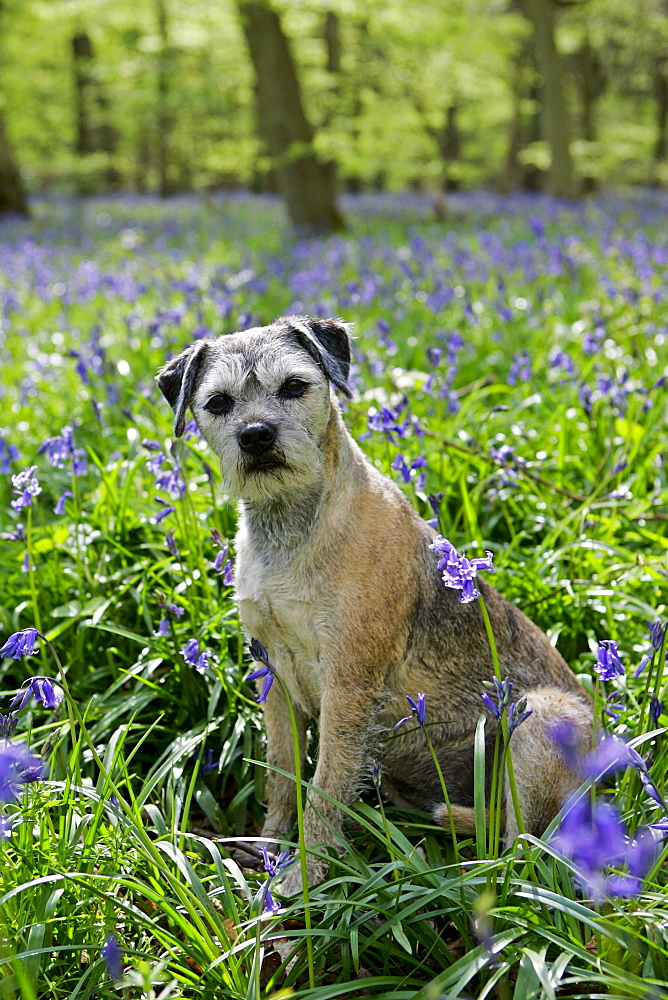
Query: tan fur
(335, 578)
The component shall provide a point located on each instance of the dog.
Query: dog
(336, 578)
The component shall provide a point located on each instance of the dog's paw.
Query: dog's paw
(291, 884)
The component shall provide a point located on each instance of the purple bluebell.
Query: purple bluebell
(458, 571)
(111, 953)
(164, 628)
(171, 544)
(194, 658)
(273, 868)
(223, 564)
(377, 772)
(418, 711)
(60, 502)
(608, 665)
(565, 734)
(173, 609)
(647, 658)
(17, 767)
(266, 671)
(400, 465)
(655, 709)
(21, 643)
(8, 454)
(8, 724)
(26, 485)
(60, 449)
(167, 509)
(17, 535)
(595, 839)
(612, 754)
(39, 688)
(208, 762)
(656, 633)
(520, 369)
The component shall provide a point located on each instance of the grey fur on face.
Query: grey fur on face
(261, 401)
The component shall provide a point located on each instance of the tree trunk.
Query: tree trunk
(12, 192)
(661, 94)
(164, 117)
(306, 183)
(82, 52)
(450, 147)
(590, 79)
(554, 114)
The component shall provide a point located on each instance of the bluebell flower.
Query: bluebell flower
(208, 762)
(266, 671)
(163, 628)
(17, 767)
(273, 868)
(171, 544)
(60, 449)
(60, 502)
(608, 665)
(168, 509)
(111, 953)
(418, 711)
(595, 838)
(520, 369)
(26, 485)
(655, 709)
(656, 633)
(17, 535)
(8, 724)
(194, 658)
(377, 772)
(641, 666)
(8, 454)
(458, 571)
(21, 643)
(39, 688)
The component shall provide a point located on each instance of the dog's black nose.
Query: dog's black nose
(257, 438)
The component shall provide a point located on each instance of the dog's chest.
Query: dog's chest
(284, 620)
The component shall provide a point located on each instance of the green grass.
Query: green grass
(577, 529)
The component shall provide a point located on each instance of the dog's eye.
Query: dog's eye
(220, 403)
(293, 388)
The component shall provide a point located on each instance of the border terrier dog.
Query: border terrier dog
(336, 579)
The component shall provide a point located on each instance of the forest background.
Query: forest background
(162, 96)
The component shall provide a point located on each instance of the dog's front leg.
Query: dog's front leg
(280, 791)
(345, 721)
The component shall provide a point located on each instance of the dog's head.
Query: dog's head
(262, 400)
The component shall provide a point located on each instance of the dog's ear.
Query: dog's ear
(328, 343)
(178, 378)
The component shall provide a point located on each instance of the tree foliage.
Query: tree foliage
(435, 94)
